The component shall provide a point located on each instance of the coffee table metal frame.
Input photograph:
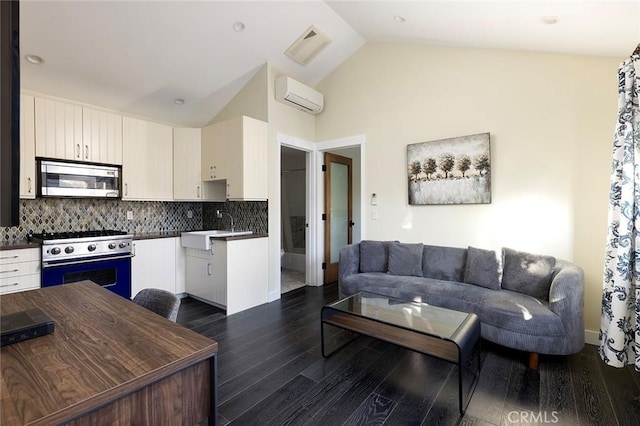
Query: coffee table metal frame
(446, 334)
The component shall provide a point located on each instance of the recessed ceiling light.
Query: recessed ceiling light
(179, 101)
(399, 19)
(34, 59)
(549, 20)
(238, 26)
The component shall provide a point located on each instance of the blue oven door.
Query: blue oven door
(112, 274)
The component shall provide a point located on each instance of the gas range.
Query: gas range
(82, 244)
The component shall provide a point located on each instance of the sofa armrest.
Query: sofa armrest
(349, 261)
(566, 299)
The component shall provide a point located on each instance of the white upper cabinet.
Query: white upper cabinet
(214, 139)
(101, 137)
(187, 182)
(58, 129)
(71, 132)
(27, 147)
(236, 151)
(147, 160)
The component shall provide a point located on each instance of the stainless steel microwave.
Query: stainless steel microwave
(62, 179)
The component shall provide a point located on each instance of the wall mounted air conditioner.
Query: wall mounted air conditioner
(292, 92)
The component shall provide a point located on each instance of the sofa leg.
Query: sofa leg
(533, 360)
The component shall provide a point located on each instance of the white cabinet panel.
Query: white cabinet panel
(235, 151)
(27, 147)
(180, 267)
(187, 182)
(147, 160)
(58, 129)
(19, 270)
(153, 265)
(234, 277)
(101, 137)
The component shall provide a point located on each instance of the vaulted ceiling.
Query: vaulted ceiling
(138, 57)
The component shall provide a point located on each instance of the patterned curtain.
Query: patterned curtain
(620, 325)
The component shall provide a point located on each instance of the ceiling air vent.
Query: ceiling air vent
(307, 46)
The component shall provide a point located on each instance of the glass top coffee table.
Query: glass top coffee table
(450, 335)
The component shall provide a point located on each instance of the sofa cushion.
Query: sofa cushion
(527, 273)
(405, 259)
(443, 263)
(483, 268)
(374, 256)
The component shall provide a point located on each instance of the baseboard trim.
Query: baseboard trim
(274, 295)
(592, 337)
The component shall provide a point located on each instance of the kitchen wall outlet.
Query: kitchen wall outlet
(129, 215)
(374, 214)
(189, 214)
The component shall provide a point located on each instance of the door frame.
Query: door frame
(315, 200)
(358, 141)
(311, 256)
(331, 268)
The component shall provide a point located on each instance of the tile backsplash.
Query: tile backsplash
(71, 214)
(247, 216)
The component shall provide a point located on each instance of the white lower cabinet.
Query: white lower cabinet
(19, 270)
(233, 277)
(154, 264)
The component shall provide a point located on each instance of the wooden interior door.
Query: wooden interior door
(338, 208)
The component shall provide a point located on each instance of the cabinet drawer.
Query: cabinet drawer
(14, 284)
(19, 269)
(19, 255)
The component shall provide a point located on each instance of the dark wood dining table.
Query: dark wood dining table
(108, 361)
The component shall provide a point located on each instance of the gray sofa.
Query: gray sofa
(528, 302)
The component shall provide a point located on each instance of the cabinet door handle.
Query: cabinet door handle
(78, 150)
(86, 152)
(10, 257)
(198, 191)
(9, 285)
(29, 185)
(7, 272)
(126, 189)
(209, 269)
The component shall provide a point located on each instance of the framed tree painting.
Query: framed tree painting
(450, 171)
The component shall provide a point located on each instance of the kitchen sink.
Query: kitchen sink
(201, 240)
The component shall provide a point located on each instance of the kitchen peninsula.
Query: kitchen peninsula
(108, 361)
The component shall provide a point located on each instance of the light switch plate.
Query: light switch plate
(129, 215)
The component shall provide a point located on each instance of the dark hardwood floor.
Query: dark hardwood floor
(271, 372)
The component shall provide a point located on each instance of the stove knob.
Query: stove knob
(122, 244)
(68, 250)
(92, 247)
(112, 246)
(55, 250)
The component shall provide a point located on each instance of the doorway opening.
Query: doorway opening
(293, 190)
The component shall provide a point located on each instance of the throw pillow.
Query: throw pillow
(527, 273)
(444, 263)
(374, 256)
(405, 259)
(483, 268)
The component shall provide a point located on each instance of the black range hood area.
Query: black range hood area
(9, 113)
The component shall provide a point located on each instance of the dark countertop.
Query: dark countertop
(241, 237)
(154, 235)
(24, 244)
(173, 234)
(18, 244)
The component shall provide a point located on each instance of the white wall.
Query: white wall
(250, 101)
(294, 123)
(551, 119)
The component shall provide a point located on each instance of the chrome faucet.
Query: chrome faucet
(219, 216)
